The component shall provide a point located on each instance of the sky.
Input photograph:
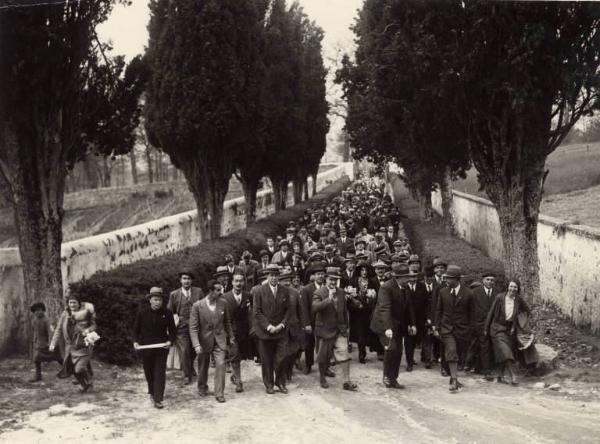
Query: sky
(126, 28)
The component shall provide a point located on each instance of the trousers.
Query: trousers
(155, 370)
(272, 357)
(204, 362)
(392, 356)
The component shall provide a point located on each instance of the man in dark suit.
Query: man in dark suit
(439, 268)
(349, 276)
(317, 271)
(249, 267)
(479, 354)
(239, 305)
(344, 243)
(180, 303)
(231, 267)
(331, 258)
(211, 333)
(427, 347)
(453, 321)
(271, 309)
(393, 318)
(331, 328)
(418, 297)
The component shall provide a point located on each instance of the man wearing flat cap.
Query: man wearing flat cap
(331, 328)
(316, 273)
(271, 308)
(479, 355)
(393, 319)
(453, 321)
(180, 304)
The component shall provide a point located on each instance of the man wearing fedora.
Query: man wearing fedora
(453, 321)
(479, 354)
(393, 319)
(239, 304)
(211, 333)
(317, 280)
(331, 328)
(154, 325)
(439, 268)
(271, 308)
(223, 277)
(180, 304)
(418, 297)
(344, 243)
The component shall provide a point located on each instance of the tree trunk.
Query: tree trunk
(424, 200)
(297, 189)
(90, 167)
(314, 184)
(305, 188)
(250, 188)
(175, 175)
(134, 173)
(447, 200)
(35, 179)
(518, 213)
(106, 172)
(284, 194)
(209, 190)
(149, 163)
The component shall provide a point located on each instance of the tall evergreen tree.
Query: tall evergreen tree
(200, 93)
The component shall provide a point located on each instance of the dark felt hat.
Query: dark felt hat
(37, 306)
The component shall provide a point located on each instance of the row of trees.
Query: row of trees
(440, 86)
(236, 86)
(226, 86)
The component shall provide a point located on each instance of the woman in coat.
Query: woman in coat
(74, 325)
(361, 310)
(501, 326)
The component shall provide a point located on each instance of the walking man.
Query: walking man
(454, 314)
(180, 304)
(211, 333)
(331, 321)
(271, 310)
(393, 319)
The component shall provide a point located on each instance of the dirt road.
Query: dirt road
(120, 412)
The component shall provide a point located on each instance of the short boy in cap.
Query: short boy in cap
(154, 325)
(180, 304)
(331, 328)
(453, 321)
(42, 334)
(479, 355)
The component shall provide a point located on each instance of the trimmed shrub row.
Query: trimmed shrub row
(117, 294)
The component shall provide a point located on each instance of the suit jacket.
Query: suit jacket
(270, 309)
(207, 327)
(240, 315)
(347, 280)
(154, 326)
(306, 300)
(278, 258)
(347, 244)
(496, 319)
(420, 302)
(177, 304)
(249, 269)
(393, 311)
(454, 315)
(482, 303)
(336, 261)
(296, 321)
(331, 317)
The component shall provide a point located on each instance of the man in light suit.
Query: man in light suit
(283, 255)
(180, 303)
(331, 328)
(271, 308)
(317, 273)
(211, 333)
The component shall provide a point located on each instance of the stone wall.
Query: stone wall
(569, 255)
(83, 257)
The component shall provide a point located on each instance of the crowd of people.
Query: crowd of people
(342, 276)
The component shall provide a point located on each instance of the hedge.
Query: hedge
(118, 294)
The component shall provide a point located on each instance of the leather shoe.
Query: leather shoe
(350, 386)
(428, 366)
(453, 386)
(188, 381)
(203, 392)
(444, 373)
(283, 389)
(270, 391)
(239, 388)
(488, 377)
(393, 385)
(323, 383)
(409, 368)
(159, 405)
(306, 370)
(220, 398)
(329, 373)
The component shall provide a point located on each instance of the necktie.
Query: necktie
(453, 292)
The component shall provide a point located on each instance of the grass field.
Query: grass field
(572, 167)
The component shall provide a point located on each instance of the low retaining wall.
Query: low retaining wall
(84, 257)
(569, 255)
